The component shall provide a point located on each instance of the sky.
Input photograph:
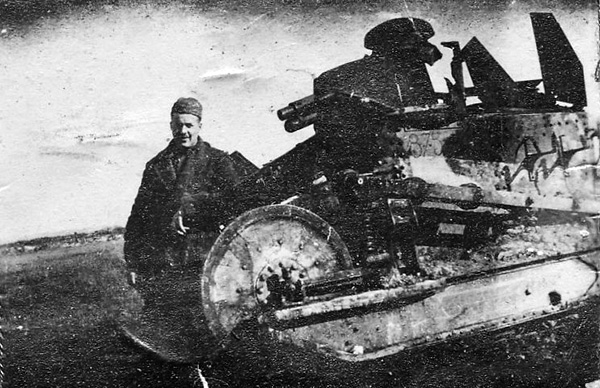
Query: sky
(87, 88)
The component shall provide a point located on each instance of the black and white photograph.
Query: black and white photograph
(310, 193)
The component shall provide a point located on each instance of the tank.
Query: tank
(412, 216)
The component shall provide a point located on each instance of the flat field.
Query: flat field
(59, 298)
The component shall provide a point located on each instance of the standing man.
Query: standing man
(183, 192)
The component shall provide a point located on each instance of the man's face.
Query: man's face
(185, 129)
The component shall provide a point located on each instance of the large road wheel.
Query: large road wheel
(258, 255)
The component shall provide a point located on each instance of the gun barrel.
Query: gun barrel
(295, 108)
(298, 122)
(301, 113)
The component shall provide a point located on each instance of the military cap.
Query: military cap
(397, 33)
(187, 105)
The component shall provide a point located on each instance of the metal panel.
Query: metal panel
(484, 303)
(561, 69)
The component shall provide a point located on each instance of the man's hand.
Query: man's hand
(177, 224)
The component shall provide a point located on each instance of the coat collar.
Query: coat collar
(199, 147)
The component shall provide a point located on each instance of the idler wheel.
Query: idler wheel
(260, 261)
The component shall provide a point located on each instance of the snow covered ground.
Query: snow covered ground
(85, 95)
